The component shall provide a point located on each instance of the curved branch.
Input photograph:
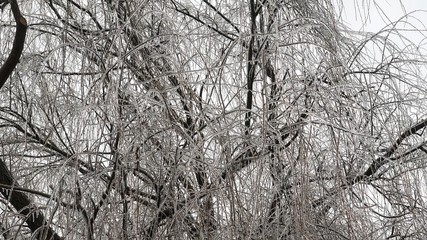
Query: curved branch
(20, 201)
(379, 162)
(18, 44)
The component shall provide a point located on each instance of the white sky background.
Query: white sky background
(404, 22)
(375, 15)
(372, 15)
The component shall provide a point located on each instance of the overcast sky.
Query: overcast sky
(372, 15)
(376, 15)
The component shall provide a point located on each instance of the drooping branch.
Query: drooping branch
(379, 162)
(18, 44)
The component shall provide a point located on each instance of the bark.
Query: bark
(18, 44)
(19, 200)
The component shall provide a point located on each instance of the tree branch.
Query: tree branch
(379, 162)
(18, 44)
(20, 201)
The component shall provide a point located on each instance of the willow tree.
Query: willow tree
(208, 120)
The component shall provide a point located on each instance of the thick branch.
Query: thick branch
(20, 201)
(250, 71)
(379, 162)
(18, 44)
